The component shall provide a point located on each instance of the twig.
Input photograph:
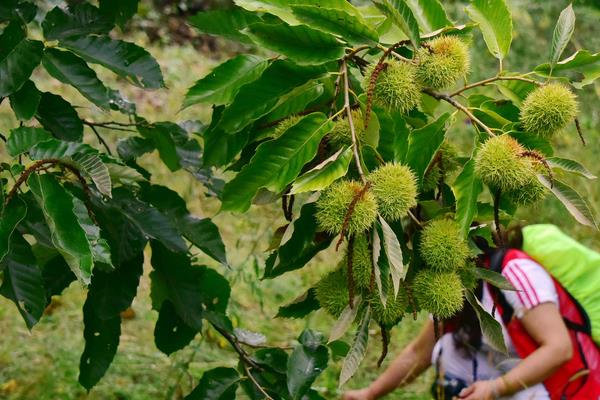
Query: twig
(493, 79)
(349, 274)
(256, 384)
(3, 138)
(108, 123)
(579, 131)
(234, 342)
(414, 218)
(44, 164)
(244, 358)
(353, 52)
(106, 126)
(101, 139)
(457, 105)
(355, 144)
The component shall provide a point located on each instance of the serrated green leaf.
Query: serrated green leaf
(123, 175)
(119, 11)
(92, 166)
(276, 162)
(18, 58)
(78, 19)
(582, 64)
(10, 217)
(22, 281)
(59, 117)
(54, 148)
(423, 144)
(306, 363)
(300, 244)
(280, 8)
(345, 320)
(101, 342)
(16, 10)
(565, 26)
(171, 333)
(123, 58)
(337, 22)
(216, 384)
(57, 276)
(260, 97)
(294, 102)
(495, 23)
(466, 188)
(22, 139)
(393, 136)
(110, 294)
(358, 349)
(430, 14)
(381, 267)
(25, 101)
(131, 148)
(300, 307)
(490, 327)
(98, 245)
(191, 289)
(72, 70)
(393, 251)
(300, 43)
(402, 16)
(201, 232)
(570, 166)
(516, 91)
(533, 142)
(226, 23)
(68, 236)
(493, 278)
(325, 173)
(176, 150)
(573, 202)
(222, 84)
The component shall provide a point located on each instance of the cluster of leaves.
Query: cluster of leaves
(276, 121)
(74, 211)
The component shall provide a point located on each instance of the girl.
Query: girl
(545, 360)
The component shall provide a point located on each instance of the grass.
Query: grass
(43, 364)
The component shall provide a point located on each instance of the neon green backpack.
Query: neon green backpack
(574, 265)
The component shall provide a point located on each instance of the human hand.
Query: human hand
(481, 390)
(361, 394)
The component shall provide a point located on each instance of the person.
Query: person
(544, 360)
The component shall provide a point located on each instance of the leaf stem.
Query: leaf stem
(448, 98)
(493, 79)
(244, 357)
(355, 144)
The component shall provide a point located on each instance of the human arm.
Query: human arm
(545, 325)
(410, 363)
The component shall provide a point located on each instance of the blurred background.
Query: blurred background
(43, 364)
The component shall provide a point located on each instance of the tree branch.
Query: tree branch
(101, 139)
(348, 108)
(458, 106)
(493, 79)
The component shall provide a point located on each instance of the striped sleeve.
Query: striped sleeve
(533, 283)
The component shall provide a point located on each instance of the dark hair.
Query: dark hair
(467, 332)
